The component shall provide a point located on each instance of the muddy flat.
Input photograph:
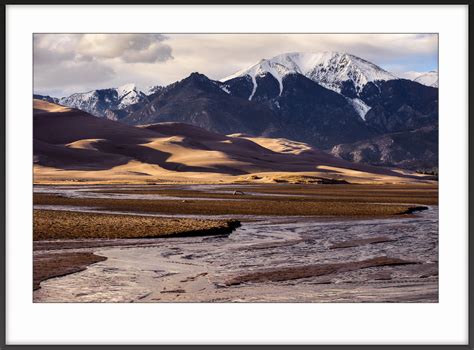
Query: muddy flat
(311, 200)
(49, 265)
(295, 244)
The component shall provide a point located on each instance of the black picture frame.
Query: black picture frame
(3, 189)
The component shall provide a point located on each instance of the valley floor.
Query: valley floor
(296, 243)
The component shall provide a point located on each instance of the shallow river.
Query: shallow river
(196, 269)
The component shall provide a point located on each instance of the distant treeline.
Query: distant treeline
(433, 172)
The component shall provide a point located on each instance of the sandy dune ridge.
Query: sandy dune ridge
(73, 146)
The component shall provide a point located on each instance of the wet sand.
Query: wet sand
(56, 230)
(278, 206)
(415, 194)
(47, 265)
(307, 271)
(276, 257)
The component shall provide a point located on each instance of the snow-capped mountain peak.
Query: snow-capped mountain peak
(428, 79)
(128, 94)
(330, 69)
(126, 89)
(100, 102)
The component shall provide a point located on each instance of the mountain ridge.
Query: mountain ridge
(329, 69)
(325, 99)
(429, 79)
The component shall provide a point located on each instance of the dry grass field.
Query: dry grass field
(51, 225)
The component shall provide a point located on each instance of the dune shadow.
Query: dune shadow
(108, 155)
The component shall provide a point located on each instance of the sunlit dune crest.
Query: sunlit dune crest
(44, 106)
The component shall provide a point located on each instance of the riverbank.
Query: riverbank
(73, 231)
(51, 265)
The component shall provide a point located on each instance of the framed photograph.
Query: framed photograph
(236, 175)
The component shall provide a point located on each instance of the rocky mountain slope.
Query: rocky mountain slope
(199, 101)
(400, 105)
(304, 111)
(415, 149)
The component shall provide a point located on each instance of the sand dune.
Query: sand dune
(40, 106)
(279, 145)
(71, 145)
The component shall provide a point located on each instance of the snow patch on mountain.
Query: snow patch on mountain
(428, 79)
(225, 89)
(86, 101)
(150, 90)
(126, 89)
(254, 89)
(277, 70)
(360, 107)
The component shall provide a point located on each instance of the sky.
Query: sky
(68, 63)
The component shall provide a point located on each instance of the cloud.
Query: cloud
(88, 61)
(53, 48)
(153, 53)
(128, 47)
(72, 76)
